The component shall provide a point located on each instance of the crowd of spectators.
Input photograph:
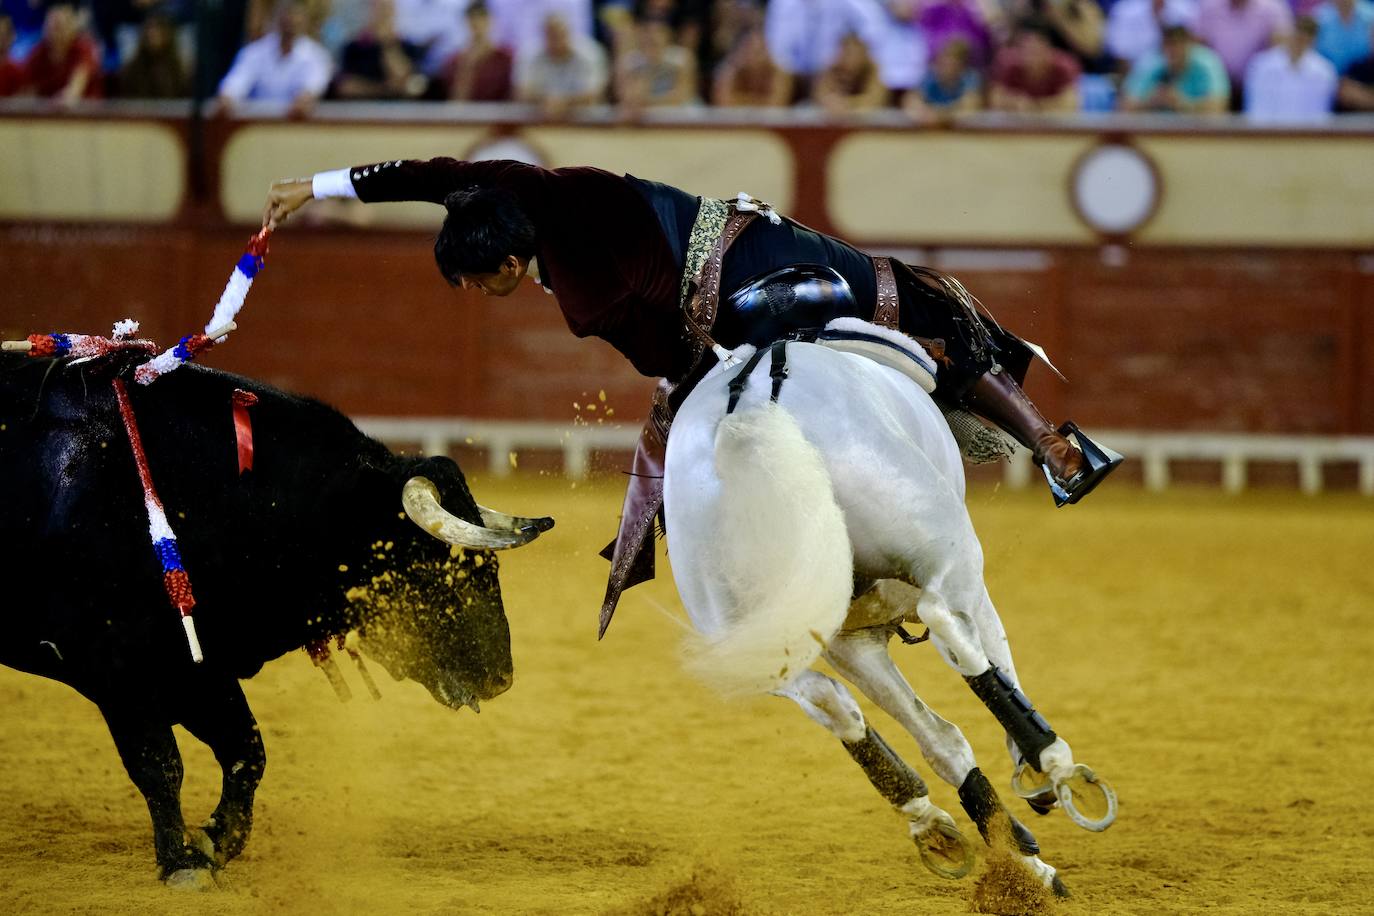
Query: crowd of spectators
(1275, 60)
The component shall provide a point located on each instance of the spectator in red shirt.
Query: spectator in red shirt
(65, 64)
(481, 72)
(11, 74)
(1031, 75)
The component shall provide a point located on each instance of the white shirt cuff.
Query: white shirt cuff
(332, 184)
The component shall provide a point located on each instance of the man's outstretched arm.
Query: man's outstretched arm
(429, 180)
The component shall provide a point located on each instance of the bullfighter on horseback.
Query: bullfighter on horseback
(644, 266)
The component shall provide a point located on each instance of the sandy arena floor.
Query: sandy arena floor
(1211, 658)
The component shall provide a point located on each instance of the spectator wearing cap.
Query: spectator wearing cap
(285, 65)
(481, 72)
(1343, 31)
(1135, 28)
(1032, 75)
(155, 70)
(851, 82)
(570, 71)
(1240, 29)
(952, 86)
(65, 64)
(379, 63)
(1356, 89)
(1184, 77)
(749, 77)
(1291, 81)
(651, 70)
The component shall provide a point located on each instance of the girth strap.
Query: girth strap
(741, 380)
(777, 371)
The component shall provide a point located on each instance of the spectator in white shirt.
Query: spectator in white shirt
(1291, 81)
(804, 37)
(438, 26)
(1135, 27)
(570, 71)
(518, 25)
(285, 65)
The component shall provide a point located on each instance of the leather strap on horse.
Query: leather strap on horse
(888, 307)
(699, 313)
(632, 552)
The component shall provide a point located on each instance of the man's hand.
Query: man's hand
(284, 198)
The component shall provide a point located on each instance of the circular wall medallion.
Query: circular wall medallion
(1115, 188)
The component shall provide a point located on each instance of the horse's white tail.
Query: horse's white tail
(783, 555)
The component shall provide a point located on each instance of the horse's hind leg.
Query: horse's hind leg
(943, 849)
(861, 656)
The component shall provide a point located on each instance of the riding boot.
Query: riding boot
(1072, 471)
(996, 396)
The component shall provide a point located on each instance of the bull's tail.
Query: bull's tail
(783, 555)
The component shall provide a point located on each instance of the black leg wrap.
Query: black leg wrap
(1027, 727)
(890, 775)
(982, 806)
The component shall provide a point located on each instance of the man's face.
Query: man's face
(59, 28)
(556, 40)
(1036, 51)
(502, 282)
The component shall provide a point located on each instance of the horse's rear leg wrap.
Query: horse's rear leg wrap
(891, 776)
(1027, 727)
(983, 807)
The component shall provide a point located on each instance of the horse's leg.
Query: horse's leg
(149, 751)
(223, 721)
(960, 639)
(861, 656)
(943, 849)
(1052, 774)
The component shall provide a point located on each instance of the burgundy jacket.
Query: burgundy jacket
(601, 249)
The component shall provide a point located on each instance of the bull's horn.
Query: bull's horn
(421, 501)
(501, 521)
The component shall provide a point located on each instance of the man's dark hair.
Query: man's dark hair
(483, 227)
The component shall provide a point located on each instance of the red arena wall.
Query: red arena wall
(1154, 331)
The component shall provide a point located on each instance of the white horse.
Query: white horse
(835, 475)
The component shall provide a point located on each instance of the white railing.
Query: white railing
(503, 438)
(1233, 451)
(1155, 451)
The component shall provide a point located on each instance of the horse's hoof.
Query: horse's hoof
(945, 851)
(1057, 886)
(1087, 800)
(191, 879)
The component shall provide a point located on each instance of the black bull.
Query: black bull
(311, 543)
